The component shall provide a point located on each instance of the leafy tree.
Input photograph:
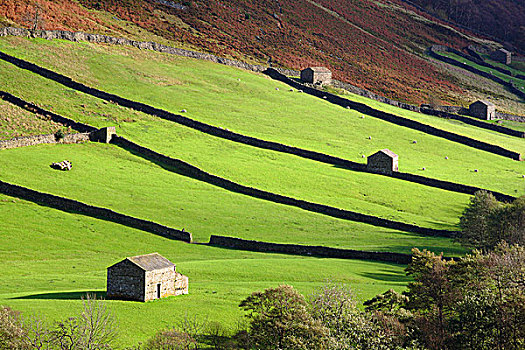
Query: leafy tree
(431, 297)
(171, 339)
(477, 220)
(279, 319)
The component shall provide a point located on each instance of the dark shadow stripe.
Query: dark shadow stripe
(186, 169)
(306, 250)
(75, 207)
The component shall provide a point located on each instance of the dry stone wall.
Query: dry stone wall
(401, 121)
(98, 38)
(435, 50)
(43, 139)
(189, 170)
(305, 250)
(76, 207)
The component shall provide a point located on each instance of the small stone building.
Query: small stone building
(384, 161)
(316, 75)
(103, 135)
(145, 277)
(483, 110)
(502, 56)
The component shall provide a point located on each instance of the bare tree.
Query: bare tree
(33, 18)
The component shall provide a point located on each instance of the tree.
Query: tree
(476, 221)
(486, 222)
(279, 319)
(431, 297)
(350, 328)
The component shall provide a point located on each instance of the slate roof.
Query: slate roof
(486, 103)
(150, 262)
(320, 69)
(387, 152)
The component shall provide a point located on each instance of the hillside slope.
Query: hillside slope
(503, 19)
(377, 45)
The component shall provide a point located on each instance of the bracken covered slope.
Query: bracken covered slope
(377, 45)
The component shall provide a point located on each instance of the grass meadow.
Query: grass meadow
(50, 258)
(213, 93)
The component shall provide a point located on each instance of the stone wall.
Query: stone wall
(317, 251)
(72, 206)
(42, 139)
(189, 170)
(78, 36)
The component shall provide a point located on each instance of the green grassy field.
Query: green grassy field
(51, 257)
(109, 177)
(214, 94)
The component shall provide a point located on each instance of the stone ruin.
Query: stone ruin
(64, 165)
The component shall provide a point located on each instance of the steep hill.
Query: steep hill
(378, 45)
(503, 19)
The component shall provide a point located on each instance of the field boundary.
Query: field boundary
(31, 107)
(307, 250)
(312, 155)
(76, 207)
(43, 139)
(391, 118)
(186, 169)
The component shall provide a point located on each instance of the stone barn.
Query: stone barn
(103, 135)
(316, 75)
(384, 161)
(145, 277)
(502, 56)
(483, 110)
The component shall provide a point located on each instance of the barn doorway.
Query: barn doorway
(158, 290)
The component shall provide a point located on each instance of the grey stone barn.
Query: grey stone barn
(483, 110)
(384, 161)
(316, 75)
(502, 56)
(145, 277)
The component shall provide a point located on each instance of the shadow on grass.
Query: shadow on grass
(387, 276)
(64, 295)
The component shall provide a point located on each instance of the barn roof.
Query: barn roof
(387, 152)
(504, 51)
(486, 103)
(150, 262)
(320, 69)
